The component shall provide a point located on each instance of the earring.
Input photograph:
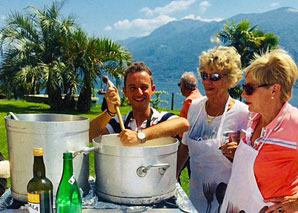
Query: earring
(272, 97)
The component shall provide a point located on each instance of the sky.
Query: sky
(121, 19)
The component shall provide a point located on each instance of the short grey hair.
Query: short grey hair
(189, 81)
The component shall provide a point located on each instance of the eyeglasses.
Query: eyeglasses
(179, 84)
(212, 76)
(249, 90)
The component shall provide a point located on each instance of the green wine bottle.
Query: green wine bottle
(68, 195)
(39, 188)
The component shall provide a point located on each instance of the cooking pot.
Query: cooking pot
(56, 134)
(142, 174)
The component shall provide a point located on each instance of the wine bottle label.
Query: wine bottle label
(72, 180)
(40, 202)
(33, 203)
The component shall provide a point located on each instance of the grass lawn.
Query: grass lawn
(23, 107)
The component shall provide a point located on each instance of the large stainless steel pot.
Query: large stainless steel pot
(56, 133)
(142, 174)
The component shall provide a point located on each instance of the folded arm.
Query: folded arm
(167, 128)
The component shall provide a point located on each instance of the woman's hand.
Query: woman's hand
(288, 204)
(229, 149)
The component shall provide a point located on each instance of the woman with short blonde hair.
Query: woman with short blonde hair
(275, 67)
(212, 120)
(265, 165)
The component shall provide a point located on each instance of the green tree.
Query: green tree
(90, 57)
(44, 51)
(35, 42)
(248, 41)
(157, 101)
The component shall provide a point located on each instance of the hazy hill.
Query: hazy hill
(175, 47)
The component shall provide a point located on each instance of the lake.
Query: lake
(172, 87)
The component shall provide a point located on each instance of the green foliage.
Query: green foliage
(124, 100)
(43, 50)
(157, 101)
(248, 41)
(236, 92)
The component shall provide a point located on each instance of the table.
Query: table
(182, 201)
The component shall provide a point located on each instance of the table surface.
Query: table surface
(182, 200)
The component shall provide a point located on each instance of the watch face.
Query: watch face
(141, 135)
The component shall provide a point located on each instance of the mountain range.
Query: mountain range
(174, 48)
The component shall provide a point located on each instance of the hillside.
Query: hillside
(175, 47)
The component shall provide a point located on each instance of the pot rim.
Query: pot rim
(134, 151)
(78, 118)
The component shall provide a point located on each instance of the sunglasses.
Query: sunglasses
(249, 90)
(179, 84)
(212, 76)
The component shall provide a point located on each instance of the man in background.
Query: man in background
(188, 86)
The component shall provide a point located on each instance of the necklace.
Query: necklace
(210, 120)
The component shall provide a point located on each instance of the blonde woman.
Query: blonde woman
(265, 166)
(210, 118)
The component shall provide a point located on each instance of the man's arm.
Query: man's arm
(168, 128)
(99, 123)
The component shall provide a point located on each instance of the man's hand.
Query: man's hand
(129, 137)
(288, 204)
(113, 99)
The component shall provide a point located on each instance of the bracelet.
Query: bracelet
(112, 114)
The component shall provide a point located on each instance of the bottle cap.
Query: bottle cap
(38, 151)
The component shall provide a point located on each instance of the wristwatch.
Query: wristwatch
(141, 136)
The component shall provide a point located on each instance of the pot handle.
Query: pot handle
(85, 151)
(162, 167)
(13, 116)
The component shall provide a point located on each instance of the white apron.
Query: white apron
(243, 194)
(210, 170)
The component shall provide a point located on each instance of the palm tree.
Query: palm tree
(36, 41)
(43, 50)
(100, 54)
(248, 41)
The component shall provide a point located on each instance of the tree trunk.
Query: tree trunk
(55, 99)
(69, 102)
(84, 101)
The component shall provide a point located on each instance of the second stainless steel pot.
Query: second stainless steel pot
(142, 174)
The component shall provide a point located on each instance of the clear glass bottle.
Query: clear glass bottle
(68, 195)
(39, 188)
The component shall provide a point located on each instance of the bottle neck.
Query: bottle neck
(39, 167)
(67, 166)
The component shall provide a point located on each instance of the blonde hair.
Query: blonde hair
(275, 67)
(225, 59)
